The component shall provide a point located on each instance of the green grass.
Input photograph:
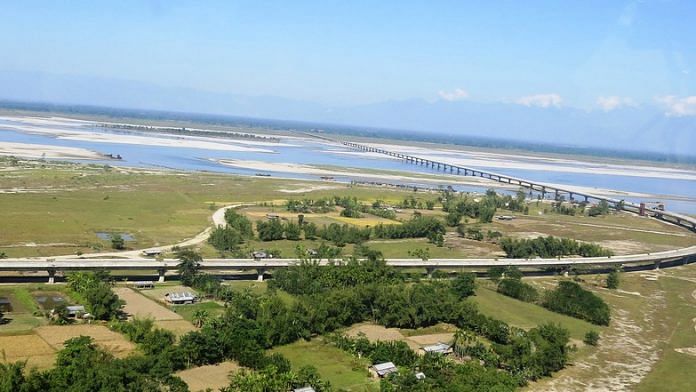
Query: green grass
(187, 311)
(675, 371)
(526, 315)
(344, 371)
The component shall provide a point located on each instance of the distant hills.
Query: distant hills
(632, 129)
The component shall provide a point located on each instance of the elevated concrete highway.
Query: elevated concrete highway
(685, 255)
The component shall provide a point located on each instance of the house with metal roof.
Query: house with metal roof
(383, 369)
(182, 298)
(304, 389)
(438, 348)
(75, 310)
(143, 284)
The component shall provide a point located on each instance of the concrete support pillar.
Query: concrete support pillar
(566, 273)
(160, 275)
(429, 271)
(260, 272)
(51, 276)
(657, 265)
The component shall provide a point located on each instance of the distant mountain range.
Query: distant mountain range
(644, 128)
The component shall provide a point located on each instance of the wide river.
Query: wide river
(679, 194)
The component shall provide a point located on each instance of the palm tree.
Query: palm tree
(462, 340)
(199, 317)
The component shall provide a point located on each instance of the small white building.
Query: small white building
(183, 298)
(438, 348)
(304, 389)
(143, 284)
(383, 369)
(75, 311)
(151, 252)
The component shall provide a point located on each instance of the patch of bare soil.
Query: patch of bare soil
(56, 335)
(375, 332)
(179, 327)
(213, 377)
(140, 306)
(625, 356)
(625, 247)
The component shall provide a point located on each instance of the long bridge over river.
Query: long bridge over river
(544, 189)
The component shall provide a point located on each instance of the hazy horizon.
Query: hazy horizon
(617, 76)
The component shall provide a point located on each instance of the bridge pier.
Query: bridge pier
(160, 275)
(51, 275)
(657, 265)
(260, 272)
(429, 271)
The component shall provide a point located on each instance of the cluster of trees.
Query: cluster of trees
(94, 288)
(514, 287)
(322, 205)
(237, 230)
(273, 379)
(571, 299)
(613, 279)
(417, 227)
(483, 209)
(340, 235)
(550, 246)
(83, 366)
(602, 208)
(411, 202)
(560, 208)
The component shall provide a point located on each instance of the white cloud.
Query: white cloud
(678, 107)
(457, 95)
(613, 102)
(541, 100)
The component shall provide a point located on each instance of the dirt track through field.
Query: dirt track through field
(138, 305)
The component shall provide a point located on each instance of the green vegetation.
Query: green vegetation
(550, 247)
(571, 299)
(95, 289)
(591, 338)
(342, 370)
(613, 280)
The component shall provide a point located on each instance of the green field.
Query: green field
(344, 371)
(526, 315)
(160, 208)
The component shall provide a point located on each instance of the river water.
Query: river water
(678, 194)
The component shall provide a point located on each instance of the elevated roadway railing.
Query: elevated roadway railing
(686, 255)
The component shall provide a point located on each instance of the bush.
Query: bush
(591, 338)
(571, 299)
(517, 289)
(613, 280)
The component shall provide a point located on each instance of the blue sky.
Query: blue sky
(586, 54)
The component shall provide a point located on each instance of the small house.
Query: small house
(304, 389)
(143, 284)
(438, 348)
(183, 298)
(75, 311)
(151, 252)
(420, 376)
(383, 369)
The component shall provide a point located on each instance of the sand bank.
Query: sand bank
(38, 151)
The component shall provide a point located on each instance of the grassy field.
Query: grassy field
(526, 315)
(159, 208)
(344, 371)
